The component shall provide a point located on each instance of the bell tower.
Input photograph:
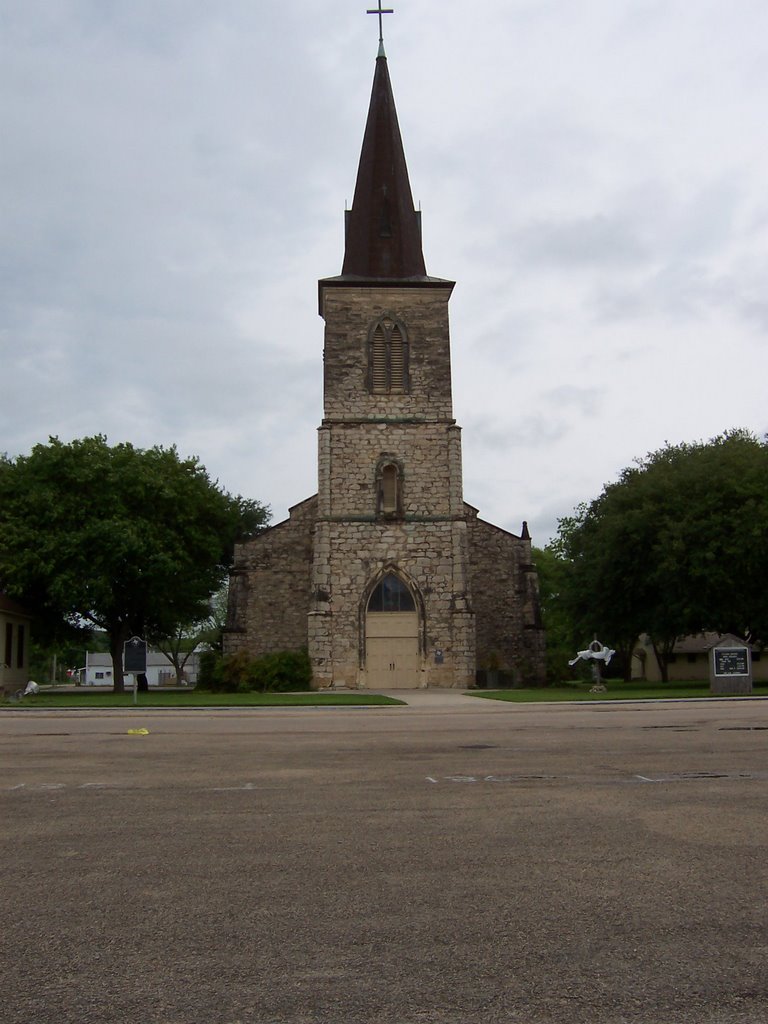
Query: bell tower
(390, 601)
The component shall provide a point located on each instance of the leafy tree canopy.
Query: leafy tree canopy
(562, 640)
(678, 545)
(128, 540)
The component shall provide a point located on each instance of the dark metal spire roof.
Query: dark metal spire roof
(383, 231)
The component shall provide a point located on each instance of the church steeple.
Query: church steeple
(383, 231)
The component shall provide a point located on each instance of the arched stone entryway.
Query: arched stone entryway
(392, 650)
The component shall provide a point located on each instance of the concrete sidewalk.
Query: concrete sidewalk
(439, 698)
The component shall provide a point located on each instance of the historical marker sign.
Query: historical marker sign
(135, 655)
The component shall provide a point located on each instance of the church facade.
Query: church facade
(386, 575)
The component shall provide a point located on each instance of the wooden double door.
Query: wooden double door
(392, 659)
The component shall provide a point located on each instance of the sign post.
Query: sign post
(135, 660)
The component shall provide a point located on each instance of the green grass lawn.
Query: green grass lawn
(198, 699)
(570, 691)
(617, 689)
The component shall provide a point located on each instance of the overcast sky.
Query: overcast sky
(593, 175)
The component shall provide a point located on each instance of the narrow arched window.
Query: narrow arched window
(389, 498)
(388, 358)
(389, 489)
(391, 595)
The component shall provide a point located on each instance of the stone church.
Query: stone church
(386, 575)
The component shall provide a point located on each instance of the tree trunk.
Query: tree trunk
(177, 657)
(118, 634)
(624, 649)
(661, 660)
(173, 654)
(630, 649)
(178, 666)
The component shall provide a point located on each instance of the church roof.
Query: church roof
(383, 231)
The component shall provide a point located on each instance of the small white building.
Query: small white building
(98, 670)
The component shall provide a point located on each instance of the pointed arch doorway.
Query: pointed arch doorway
(392, 659)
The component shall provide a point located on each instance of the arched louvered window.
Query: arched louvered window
(379, 371)
(396, 359)
(388, 358)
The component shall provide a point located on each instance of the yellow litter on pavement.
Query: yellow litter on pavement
(138, 732)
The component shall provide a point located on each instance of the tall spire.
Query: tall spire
(383, 231)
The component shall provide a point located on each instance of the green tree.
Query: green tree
(678, 545)
(205, 634)
(127, 540)
(553, 571)
(210, 630)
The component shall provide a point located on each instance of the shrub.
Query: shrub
(209, 672)
(280, 672)
(284, 670)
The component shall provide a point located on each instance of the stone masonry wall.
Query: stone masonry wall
(431, 558)
(422, 450)
(349, 313)
(426, 542)
(506, 602)
(270, 586)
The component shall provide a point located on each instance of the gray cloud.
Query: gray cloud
(594, 241)
(172, 184)
(584, 400)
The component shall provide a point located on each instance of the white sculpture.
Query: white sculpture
(595, 652)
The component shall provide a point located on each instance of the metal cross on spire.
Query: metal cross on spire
(379, 10)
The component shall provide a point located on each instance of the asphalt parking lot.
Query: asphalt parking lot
(453, 862)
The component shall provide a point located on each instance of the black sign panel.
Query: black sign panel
(731, 661)
(135, 655)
